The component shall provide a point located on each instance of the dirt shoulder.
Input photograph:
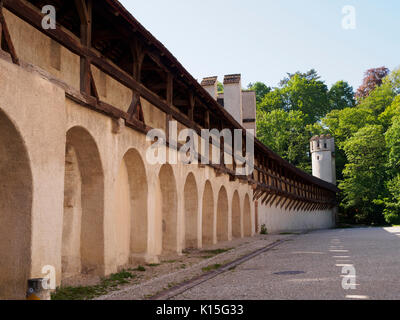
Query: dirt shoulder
(175, 269)
(138, 282)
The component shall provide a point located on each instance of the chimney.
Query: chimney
(233, 96)
(249, 109)
(210, 85)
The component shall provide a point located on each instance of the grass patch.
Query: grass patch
(264, 230)
(183, 266)
(140, 268)
(211, 267)
(153, 265)
(170, 261)
(207, 257)
(89, 292)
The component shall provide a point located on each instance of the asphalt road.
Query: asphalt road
(340, 264)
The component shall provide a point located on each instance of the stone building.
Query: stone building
(77, 192)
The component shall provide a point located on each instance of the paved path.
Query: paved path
(312, 266)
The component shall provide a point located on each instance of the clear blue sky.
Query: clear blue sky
(264, 39)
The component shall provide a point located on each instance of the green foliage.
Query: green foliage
(364, 174)
(392, 210)
(286, 134)
(220, 87)
(264, 230)
(140, 268)
(217, 251)
(89, 292)
(341, 95)
(288, 116)
(367, 136)
(299, 93)
(212, 267)
(261, 90)
(392, 137)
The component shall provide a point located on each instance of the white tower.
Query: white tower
(323, 158)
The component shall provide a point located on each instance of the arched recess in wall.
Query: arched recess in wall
(208, 214)
(191, 212)
(222, 215)
(130, 208)
(169, 208)
(15, 212)
(236, 216)
(83, 231)
(247, 217)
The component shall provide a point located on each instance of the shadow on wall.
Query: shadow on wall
(15, 212)
(83, 231)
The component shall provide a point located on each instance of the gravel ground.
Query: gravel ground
(176, 269)
(310, 267)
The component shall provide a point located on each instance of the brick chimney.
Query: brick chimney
(233, 96)
(210, 85)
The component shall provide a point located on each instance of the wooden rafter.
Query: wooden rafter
(272, 173)
(5, 34)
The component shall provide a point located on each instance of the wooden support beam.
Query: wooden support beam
(265, 201)
(192, 102)
(279, 201)
(303, 206)
(289, 204)
(293, 205)
(170, 90)
(297, 206)
(1, 23)
(85, 15)
(5, 34)
(93, 88)
(273, 200)
(259, 195)
(83, 11)
(135, 109)
(283, 203)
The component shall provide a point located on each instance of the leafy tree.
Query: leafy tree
(392, 203)
(309, 75)
(367, 136)
(300, 92)
(286, 134)
(392, 137)
(344, 123)
(261, 90)
(364, 174)
(341, 95)
(372, 79)
(220, 87)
